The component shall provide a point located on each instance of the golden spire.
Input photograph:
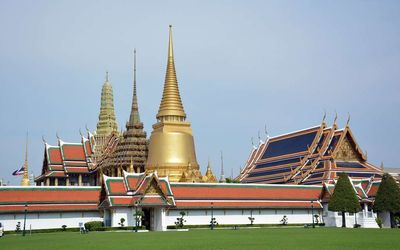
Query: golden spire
(106, 123)
(134, 117)
(25, 179)
(171, 104)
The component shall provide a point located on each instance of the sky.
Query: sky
(241, 66)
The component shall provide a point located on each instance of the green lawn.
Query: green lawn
(266, 238)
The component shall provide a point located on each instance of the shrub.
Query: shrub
(18, 227)
(180, 220)
(122, 220)
(378, 221)
(93, 225)
(64, 227)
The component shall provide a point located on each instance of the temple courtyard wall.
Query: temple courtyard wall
(48, 220)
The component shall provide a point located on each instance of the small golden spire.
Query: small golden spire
(107, 76)
(171, 103)
(382, 167)
(25, 179)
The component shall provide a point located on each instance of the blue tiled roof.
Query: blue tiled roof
(290, 145)
(277, 163)
(333, 143)
(349, 165)
(270, 172)
(320, 165)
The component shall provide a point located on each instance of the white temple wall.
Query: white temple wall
(122, 212)
(48, 220)
(241, 216)
(385, 217)
(364, 218)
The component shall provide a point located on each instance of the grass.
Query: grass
(264, 238)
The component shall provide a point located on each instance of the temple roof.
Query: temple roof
(40, 199)
(68, 158)
(308, 156)
(137, 188)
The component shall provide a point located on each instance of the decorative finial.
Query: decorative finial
(58, 137)
(348, 119)
(324, 117)
(252, 142)
(336, 116)
(80, 132)
(44, 140)
(107, 76)
(86, 127)
(382, 167)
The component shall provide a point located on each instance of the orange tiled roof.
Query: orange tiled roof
(49, 198)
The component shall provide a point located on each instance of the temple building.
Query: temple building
(288, 178)
(171, 147)
(310, 156)
(69, 164)
(130, 151)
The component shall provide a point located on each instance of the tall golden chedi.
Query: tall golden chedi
(171, 147)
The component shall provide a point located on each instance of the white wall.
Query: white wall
(385, 217)
(241, 217)
(48, 220)
(364, 218)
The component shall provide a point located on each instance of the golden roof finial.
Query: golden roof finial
(171, 103)
(107, 76)
(336, 116)
(348, 120)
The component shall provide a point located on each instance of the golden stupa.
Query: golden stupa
(171, 146)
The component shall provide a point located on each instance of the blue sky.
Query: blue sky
(240, 65)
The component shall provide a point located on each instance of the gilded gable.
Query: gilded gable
(347, 151)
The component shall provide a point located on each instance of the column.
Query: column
(67, 182)
(48, 182)
(80, 180)
(56, 182)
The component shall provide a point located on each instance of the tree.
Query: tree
(344, 198)
(388, 197)
(139, 214)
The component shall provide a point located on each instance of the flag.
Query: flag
(19, 171)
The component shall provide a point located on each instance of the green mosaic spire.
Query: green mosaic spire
(107, 122)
